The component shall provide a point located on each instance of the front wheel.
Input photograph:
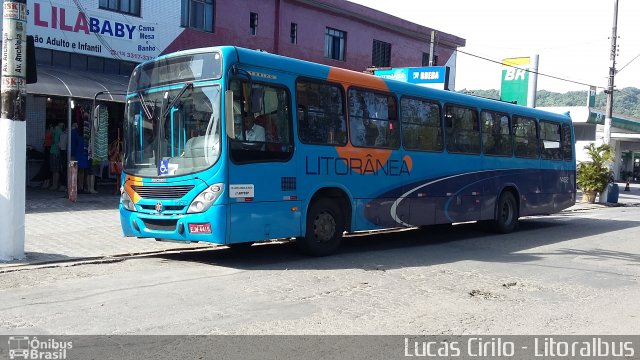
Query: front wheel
(325, 225)
(506, 219)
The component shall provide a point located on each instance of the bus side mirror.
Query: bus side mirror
(228, 110)
(32, 69)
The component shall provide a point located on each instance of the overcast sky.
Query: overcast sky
(572, 37)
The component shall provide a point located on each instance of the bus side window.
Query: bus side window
(496, 133)
(550, 140)
(421, 126)
(525, 136)
(567, 142)
(463, 131)
(321, 118)
(373, 119)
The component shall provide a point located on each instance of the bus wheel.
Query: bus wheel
(506, 214)
(325, 225)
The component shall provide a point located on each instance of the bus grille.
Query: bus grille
(162, 225)
(162, 192)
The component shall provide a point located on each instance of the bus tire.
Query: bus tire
(325, 225)
(506, 219)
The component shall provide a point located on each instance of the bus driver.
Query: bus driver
(253, 131)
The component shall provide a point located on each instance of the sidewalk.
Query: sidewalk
(57, 230)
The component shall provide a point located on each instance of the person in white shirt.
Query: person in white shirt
(253, 131)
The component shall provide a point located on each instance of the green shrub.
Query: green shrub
(594, 175)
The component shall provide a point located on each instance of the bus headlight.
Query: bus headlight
(127, 203)
(205, 199)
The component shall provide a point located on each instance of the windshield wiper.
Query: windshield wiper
(146, 110)
(175, 99)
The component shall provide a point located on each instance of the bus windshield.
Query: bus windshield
(171, 133)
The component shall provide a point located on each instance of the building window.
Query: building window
(425, 59)
(294, 33)
(131, 7)
(253, 23)
(198, 14)
(334, 44)
(381, 54)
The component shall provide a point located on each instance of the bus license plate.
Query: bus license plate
(200, 228)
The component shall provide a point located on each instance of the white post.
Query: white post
(533, 81)
(13, 130)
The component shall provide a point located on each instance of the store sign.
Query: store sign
(69, 28)
(432, 76)
(515, 80)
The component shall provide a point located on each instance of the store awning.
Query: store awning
(617, 121)
(67, 82)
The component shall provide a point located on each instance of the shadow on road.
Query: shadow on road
(417, 247)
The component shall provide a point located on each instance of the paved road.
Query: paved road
(58, 230)
(574, 273)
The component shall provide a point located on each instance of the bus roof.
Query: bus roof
(326, 72)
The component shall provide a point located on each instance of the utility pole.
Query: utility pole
(612, 74)
(533, 81)
(432, 47)
(13, 147)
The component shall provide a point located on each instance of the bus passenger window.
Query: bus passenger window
(373, 120)
(463, 131)
(567, 142)
(321, 118)
(496, 133)
(525, 136)
(421, 127)
(550, 140)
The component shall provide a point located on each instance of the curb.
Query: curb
(105, 259)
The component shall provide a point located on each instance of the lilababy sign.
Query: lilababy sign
(72, 28)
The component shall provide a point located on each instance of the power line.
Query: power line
(531, 71)
(627, 64)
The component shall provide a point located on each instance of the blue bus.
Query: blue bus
(232, 146)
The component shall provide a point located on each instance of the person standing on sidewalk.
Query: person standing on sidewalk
(62, 145)
(54, 157)
(45, 171)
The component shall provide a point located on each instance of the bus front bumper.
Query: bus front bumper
(208, 226)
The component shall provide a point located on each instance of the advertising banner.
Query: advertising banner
(432, 76)
(515, 80)
(72, 28)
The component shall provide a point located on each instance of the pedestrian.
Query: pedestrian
(45, 171)
(54, 156)
(62, 145)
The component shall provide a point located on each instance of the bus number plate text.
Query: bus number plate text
(200, 228)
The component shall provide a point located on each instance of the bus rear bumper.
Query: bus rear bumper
(207, 227)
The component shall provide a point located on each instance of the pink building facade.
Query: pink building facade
(408, 42)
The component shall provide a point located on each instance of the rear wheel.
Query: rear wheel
(506, 219)
(325, 225)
